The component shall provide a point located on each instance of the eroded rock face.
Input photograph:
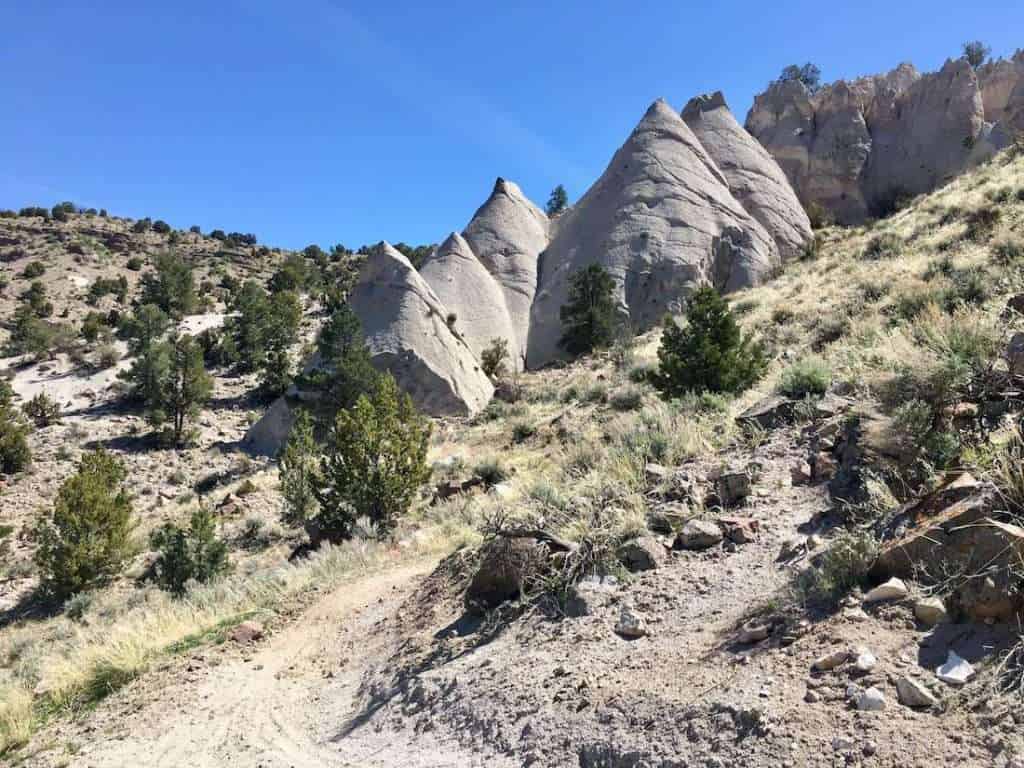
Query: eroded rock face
(406, 330)
(470, 293)
(507, 234)
(753, 176)
(661, 220)
(857, 147)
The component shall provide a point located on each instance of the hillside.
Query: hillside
(732, 626)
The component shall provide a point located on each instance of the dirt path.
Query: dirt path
(280, 706)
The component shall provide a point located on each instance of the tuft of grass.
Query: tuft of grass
(1008, 250)
(523, 430)
(629, 399)
(842, 567)
(886, 245)
(598, 393)
(981, 222)
(809, 376)
(16, 718)
(491, 471)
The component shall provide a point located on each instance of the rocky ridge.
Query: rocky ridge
(857, 148)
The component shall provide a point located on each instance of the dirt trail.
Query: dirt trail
(281, 706)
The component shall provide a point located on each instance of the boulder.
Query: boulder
(732, 488)
(473, 298)
(930, 611)
(508, 233)
(630, 625)
(769, 413)
(893, 589)
(267, 436)
(246, 632)
(590, 595)
(739, 530)
(661, 220)
(753, 176)
(668, 517)
(955, 670)
(831, 660)
(698, 534)
(407, 332)
(1015, 354)
(643, 554)
(871, 700)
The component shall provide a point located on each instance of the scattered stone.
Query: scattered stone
(812, 697)
(930, 611)
(893, 589)
(856, 615)
(956, 670)
(752, 632)
(655, 473)
(824, 467)
(630, 625)
(843, 744)
(733, 488)
(865, 661)
(699, 534)
(872, 700)
(800, 474)
(591, 595)
(912, 693)
(831, 660)
(246, 632)
(740, 530)
(643, 554)
(792, 547)
(769, 413)
(667, 518)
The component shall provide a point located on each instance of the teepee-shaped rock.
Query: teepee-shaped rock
(407, 331)
(507, 234)
(661, 220)
(754, 178)
(470, 293)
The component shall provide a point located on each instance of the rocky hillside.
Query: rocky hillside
(860, 148)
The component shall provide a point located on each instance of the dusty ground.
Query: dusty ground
(390, 671)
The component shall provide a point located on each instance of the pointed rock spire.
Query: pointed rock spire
(470, 293)
(661, 220)
(752, 175)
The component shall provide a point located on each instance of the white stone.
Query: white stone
(872, 700)
(956, 670)
(893, 589)
(630, 624)
(912, 693)
(930, 610)
(865, 661)
(832, 660)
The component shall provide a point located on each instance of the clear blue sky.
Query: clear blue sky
(329, 121)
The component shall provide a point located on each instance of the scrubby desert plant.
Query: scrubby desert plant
(842, 567)
(494, 359)
(809, 376)
(195, 554)
(42, 410)
(492, 471)
(85, 539)
(300, 472)
(33, 270)
(628, 399)
(883, 246)
(707, 353)
(15, 454)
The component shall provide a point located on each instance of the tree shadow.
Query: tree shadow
(36, 605)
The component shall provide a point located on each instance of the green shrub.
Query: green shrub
(1008, 250)
(820, 217)
(162, 227)
(42, 410)
(33, 270)
(300, 472)
(491, 471)
(843, 566)
(493, 359)
(783, 315)
(641, 374)
(709, 352)
(15, 455)
(523, 430)
(134, 264)
(628, 399)
(588, 319)
(809, 376)
(598, 393)
(103, 286)
(374, 463)
(195, 554)
(982, 221)
(883, 246)
(557, 201)
(171, 286)
(85, 539)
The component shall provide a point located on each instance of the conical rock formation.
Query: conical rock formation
(507, 234)
(470, 293)
(753, 176)
(407, 332)
(661, 220)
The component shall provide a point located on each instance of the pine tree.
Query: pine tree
(300, 471)
(558, 201)
(171, 287)
(375, 462)
(184, 388)
(86, 538)
(709, 352)
(588, 320)
(193, 554)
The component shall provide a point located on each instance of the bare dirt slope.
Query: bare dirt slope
(390, 671)
(280, 704)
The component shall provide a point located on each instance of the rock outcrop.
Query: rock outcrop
(753, 176)
(507, 234)
(856, 148)
(407, 330)
(661, 220)
(472, 297)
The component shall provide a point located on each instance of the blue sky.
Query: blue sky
(329, 121)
